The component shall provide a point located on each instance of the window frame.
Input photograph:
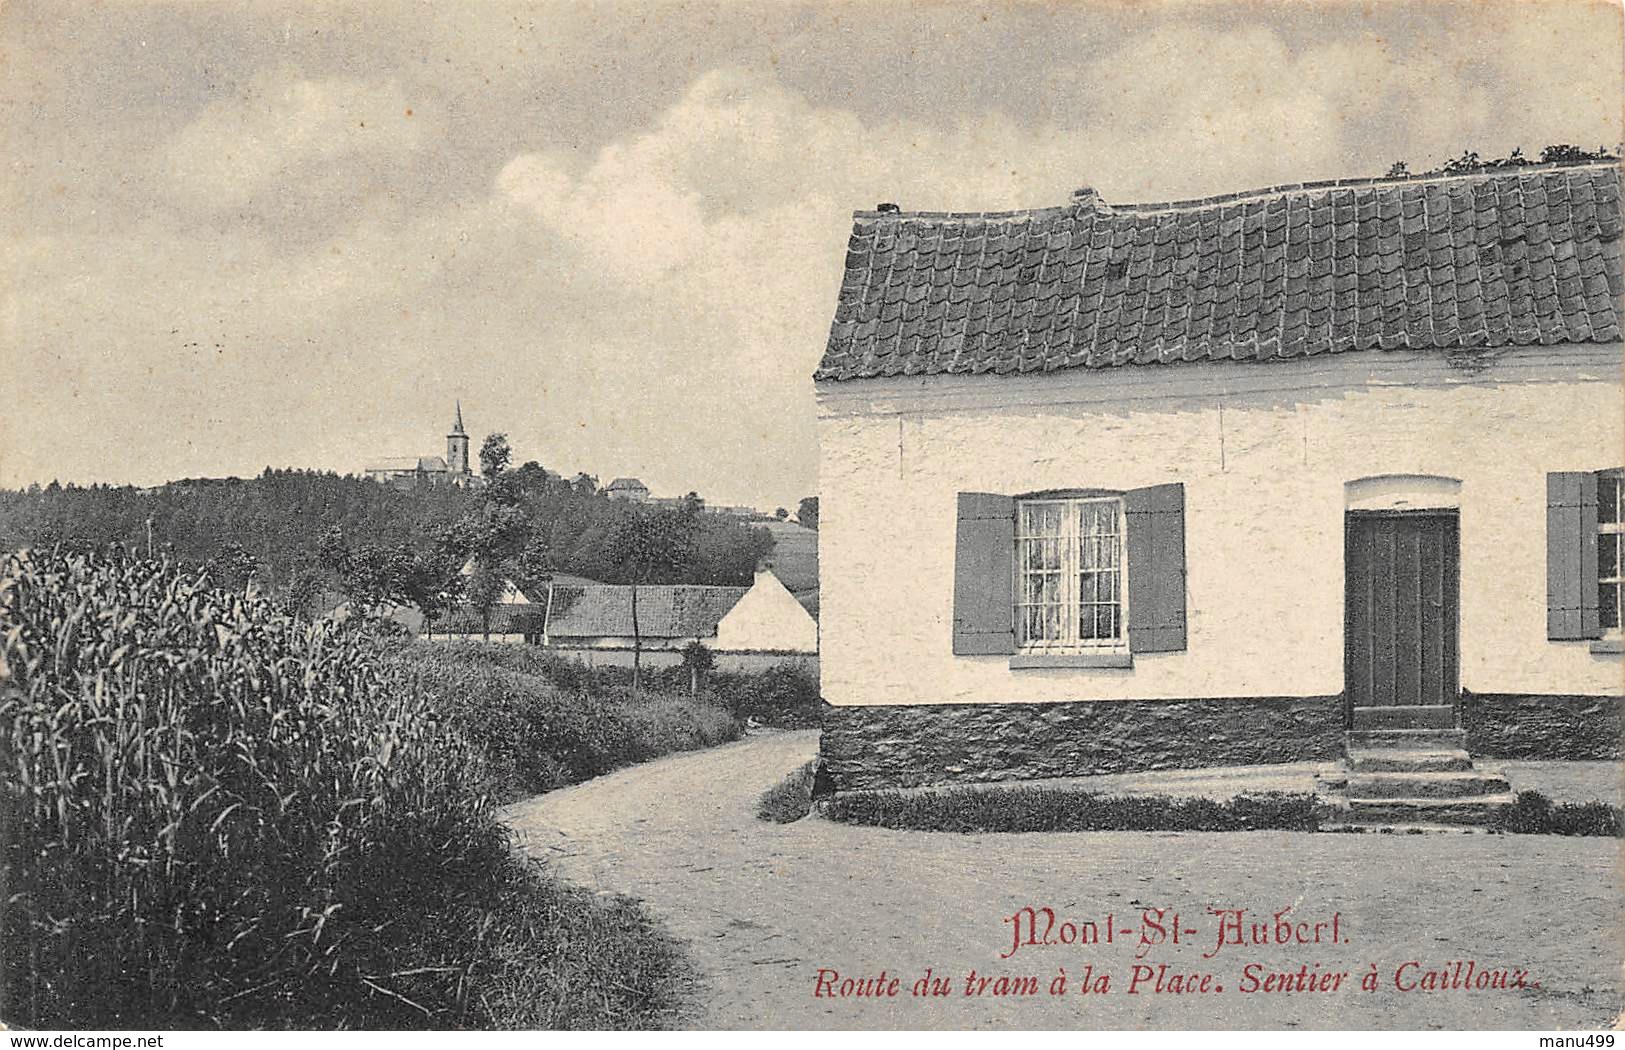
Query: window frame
(1070, 569)
(1616, 477)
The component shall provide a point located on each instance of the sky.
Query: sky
(292, 235)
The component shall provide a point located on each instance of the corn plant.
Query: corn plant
(214, 814)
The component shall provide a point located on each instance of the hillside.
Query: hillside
(273, 527)
(794, 555)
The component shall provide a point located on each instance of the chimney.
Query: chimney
(1086, 197)
(887, 208)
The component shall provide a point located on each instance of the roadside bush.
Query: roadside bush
(1532, 813)
(1023, 808)
(215, 815)
(784, 696)
(538, 735)
(791, 798)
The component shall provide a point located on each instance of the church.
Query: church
(410, 472)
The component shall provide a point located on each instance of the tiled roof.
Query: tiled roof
(428, 464)
(626, 483)
(605, 610)
(1478, 261)
(505, 619)
(393, 463)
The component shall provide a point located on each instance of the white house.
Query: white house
(630, 489)
(1254, 478)
(768, 619)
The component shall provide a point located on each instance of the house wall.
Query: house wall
(1264, 452)
(768, 617)
(617, 642)
(473, 636)
(663, 658)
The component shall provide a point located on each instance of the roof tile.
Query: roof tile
(1469, 261)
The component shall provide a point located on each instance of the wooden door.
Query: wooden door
(1401, 609)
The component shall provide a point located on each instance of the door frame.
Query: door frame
(1351, 516)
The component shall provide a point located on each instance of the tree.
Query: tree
(531, 478)
(535, 564)
(491, 534)
(698, 659)
(651, 547)
(495, 455)
(807, 512)
(371, 574)
(304, 586)
(233, 567)
(433, 581)
(781, 514)
(484, 587)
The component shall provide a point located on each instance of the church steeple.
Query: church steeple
(457, 448)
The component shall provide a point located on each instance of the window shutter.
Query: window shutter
(1571, 556)
(1156, 568)
(984, 575)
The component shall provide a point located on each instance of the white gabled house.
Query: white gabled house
(768, 619)
(1257, 478)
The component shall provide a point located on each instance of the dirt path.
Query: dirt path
(764, 907)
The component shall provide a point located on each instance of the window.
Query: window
(1071, 587)
(1087, 576)
(1610, 548)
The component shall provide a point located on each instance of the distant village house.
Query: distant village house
(632, 490)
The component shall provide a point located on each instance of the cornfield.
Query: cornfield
(215, 815)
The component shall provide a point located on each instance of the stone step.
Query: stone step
(1420, 811)
(1397, 760)
(1463, 785)
(1407, 739)
(1430, 716)
(1410, 829)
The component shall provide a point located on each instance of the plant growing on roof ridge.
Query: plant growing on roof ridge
(1469, 162)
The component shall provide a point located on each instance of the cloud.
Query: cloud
(628, 256)
(292, 136)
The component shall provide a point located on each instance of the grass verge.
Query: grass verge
(544, 723)
(563, 957)
(790, 799)
(1019, 808)
(1532, 813)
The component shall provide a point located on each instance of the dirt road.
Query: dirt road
(764, 907)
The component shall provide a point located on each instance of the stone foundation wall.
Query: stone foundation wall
(1521, 725)
(914, 745)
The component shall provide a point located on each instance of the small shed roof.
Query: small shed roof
(673, 611)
